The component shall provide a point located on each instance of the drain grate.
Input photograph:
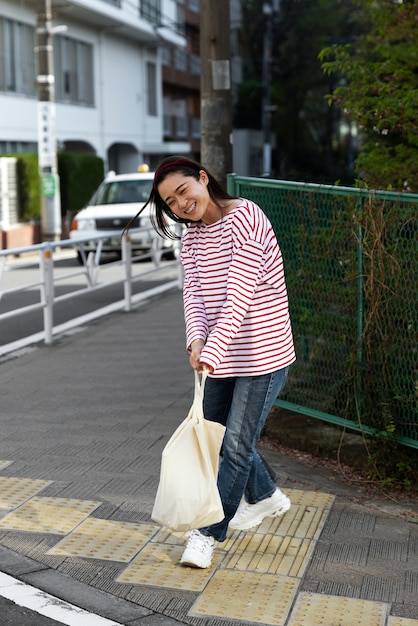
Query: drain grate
(49, 515)
(14, 491)
(314, 608)
(261, 598)
(105, 539)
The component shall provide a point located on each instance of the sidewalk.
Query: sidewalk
(83, 424)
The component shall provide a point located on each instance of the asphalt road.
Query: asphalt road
(69, 277)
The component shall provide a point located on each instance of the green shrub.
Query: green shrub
(28, 188)
(80, 175)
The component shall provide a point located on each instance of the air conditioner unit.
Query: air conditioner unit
(8, 193)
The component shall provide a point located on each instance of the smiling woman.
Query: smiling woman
(189, 198)
(237, 327)
(191, 177)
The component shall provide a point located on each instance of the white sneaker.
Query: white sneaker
(199, 550)
(249, 515)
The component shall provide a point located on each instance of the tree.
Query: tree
(309, 146)
(378, 90)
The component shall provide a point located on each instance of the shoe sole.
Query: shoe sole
(281, 511)
(196, 565)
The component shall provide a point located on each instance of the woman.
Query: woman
(237, 326)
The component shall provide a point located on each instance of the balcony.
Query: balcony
(126, 17)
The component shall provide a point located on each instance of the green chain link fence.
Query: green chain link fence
(351, 267)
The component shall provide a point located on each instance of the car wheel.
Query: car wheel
(80, 257)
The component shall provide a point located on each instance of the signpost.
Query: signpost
(47, 156)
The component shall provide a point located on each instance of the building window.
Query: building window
(194, 5)
(73, 71)
(195, 64)
(180, 26)
(151, 10)
(17, 147)
(196, 128)
(181, 126)
(152, 88)
(17, 61)
(180, 59)
(166, 56)
(168, 125)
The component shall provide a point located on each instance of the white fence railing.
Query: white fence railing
(43, 277)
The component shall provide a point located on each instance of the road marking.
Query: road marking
(50, 606)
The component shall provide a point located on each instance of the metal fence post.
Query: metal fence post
(231, 184)
(177, 255)
(47, 291)
(127, 262)
(360, 308)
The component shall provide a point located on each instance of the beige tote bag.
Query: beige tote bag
(187, 495)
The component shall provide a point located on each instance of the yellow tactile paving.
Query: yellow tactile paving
(105, 539)
(168, 536)
(254, 576)
(260, 598)
(158, 565)
(310, 498)
(271, 554)
(304, 521)
(49, 515)
(15, 491)
(315, 608)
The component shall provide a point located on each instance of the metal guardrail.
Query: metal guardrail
(90, 270)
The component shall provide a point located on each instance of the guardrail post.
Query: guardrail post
(177, 254)
(127, 262)
(156, 251)
(47, 291)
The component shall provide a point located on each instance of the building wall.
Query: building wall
(117, 125)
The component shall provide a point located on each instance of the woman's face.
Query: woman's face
(188, 198)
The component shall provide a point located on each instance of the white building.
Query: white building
(107, 67)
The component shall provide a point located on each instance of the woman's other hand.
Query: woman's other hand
(196, 348)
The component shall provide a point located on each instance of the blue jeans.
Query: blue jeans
(242, 404)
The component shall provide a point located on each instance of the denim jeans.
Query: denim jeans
(242, 404)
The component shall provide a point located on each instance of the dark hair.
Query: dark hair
(160, 210)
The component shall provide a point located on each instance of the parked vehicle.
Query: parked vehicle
(116, 201)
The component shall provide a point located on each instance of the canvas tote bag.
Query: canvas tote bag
(187, 495)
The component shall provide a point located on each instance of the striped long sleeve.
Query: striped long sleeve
(235, 296)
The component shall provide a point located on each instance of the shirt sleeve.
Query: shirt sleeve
(194, 307)
(244, 274)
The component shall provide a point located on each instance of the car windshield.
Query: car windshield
(123, 191)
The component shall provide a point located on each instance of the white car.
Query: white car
(117, 200)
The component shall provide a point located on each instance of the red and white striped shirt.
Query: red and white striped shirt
(235, 296)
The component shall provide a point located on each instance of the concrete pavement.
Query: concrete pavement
(83, 424)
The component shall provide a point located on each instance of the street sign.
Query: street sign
(49, 186)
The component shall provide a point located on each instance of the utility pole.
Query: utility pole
(270, 12)
(215, 88)
(47, 155)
